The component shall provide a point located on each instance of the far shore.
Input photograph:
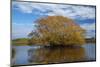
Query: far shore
(25, 41)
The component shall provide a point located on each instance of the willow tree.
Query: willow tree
(57, 30)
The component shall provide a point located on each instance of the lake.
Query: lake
(40, 55)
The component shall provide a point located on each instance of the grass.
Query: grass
(25, 41)
(20, 41)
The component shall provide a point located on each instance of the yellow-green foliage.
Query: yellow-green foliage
(20, 41)
(57, 30)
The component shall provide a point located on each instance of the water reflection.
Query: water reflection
(56, 54)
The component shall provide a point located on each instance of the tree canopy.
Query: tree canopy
(57, 30)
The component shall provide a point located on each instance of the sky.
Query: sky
(25, 14)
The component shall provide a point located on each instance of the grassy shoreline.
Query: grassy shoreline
(25, 41)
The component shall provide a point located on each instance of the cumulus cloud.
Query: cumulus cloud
(56, 9)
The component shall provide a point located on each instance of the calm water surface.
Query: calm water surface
(36, 55)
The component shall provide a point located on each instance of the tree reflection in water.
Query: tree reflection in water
(57, 54)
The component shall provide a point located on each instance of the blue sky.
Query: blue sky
(24, 15)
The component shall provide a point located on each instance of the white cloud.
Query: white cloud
(57, 9)
(21, 29)
(88, 26)
(72, 11)
(90, 29)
